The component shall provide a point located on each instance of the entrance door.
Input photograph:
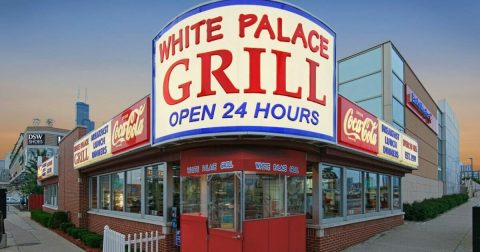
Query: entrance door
(224, 224)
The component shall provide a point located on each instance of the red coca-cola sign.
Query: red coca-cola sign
(356, 127)
(131, 128)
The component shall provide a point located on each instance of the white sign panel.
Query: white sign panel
(93, 147)
(409, 151)
(233, 67)
(389, 142)
(47, 169)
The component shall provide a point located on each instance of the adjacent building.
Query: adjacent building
(34, 143)
(381, 81)
(448, 148)
(83, 116)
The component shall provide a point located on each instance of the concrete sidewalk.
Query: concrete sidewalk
(25, 235)
(452, 231)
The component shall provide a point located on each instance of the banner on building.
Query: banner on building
(389, 142)
(420, 110)
(409, 151)
(35, 139)
(48, 169)
(357, 128)
(93, 147)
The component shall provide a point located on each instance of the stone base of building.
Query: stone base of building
(417, 188)
(344, 236)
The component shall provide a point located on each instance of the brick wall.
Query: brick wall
(342, 237)
(69, 185)
(96, 223)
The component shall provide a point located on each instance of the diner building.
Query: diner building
(247, 144)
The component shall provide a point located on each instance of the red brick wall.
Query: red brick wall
(69, 187)
(96, 223)
(342, 237)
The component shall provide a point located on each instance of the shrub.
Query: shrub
(64, 226)
(93, 240)
(431, 208)
(77, 232)
(41, 217)
(58, 218)
(71, 229)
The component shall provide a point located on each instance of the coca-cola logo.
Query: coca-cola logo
(358, 128)
(130, 128)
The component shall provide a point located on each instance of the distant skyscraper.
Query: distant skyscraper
(83, 115)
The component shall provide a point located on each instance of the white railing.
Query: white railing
(115, 242)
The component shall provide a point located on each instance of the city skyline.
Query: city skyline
(51, 49)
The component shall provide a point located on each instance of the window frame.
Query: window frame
(345, 217)
(142, 216)
(47, 191)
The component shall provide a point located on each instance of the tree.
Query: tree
(30, 184)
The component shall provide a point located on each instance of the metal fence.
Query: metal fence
(115, 242)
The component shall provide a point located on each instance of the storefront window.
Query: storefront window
(296, 195)
(396, 193)
(50, 195)
(133, 190)
(93, 194)
(117, 190)
(224, 194)
(331, 191)
(191, 194)
(384, 184)
(105, 192)
(154, 179)
(370, 192)
(264, 196)
(354, 192)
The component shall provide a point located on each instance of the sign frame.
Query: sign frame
(244, 130)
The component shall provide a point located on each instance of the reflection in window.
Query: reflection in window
(373, 106)
(396, 192)
(133, 190)
(397, 64)
(398, 113)
(105, 192)
(296, 195)
(93, 190)
(384, 184)
(264, 196)
(360, 65)
(191, 194)
(50, 195)
(154, 179)
(117, 191)
(309, 190)
(398, 89)
(224, 193)
(354, 192)
(361, 89)
(332, 191)
(370, 192)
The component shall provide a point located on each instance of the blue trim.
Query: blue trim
(243, 129)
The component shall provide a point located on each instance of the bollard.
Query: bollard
(476, 228)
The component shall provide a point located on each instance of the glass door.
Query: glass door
(224, 201)
(224, 225)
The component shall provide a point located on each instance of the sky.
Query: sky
(51, 49)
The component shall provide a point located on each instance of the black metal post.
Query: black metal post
(476, 228)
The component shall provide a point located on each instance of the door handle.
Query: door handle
(237, 237)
